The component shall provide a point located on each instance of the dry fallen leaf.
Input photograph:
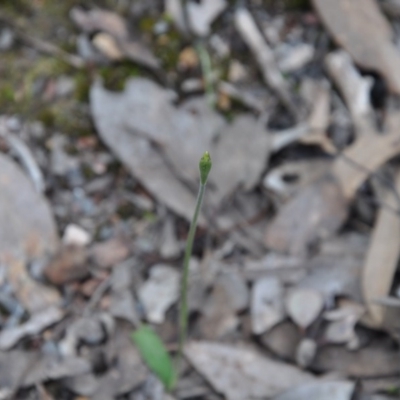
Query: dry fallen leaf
(312, 214)
(336, 270)
(159, 143)
(200, 15)
(363, 31)
(27, 227)
(283, 340)
(27, 368)
(379, 358)
(267, 307)
(111, 252)
(320, 209)
(304, 305)
(341, 328)
(247, 144)
(354, 88)
(341, 390)
(242, 373)
(382, 258)
(33, 296)
(290, 177)
(110, 110)
(38, 322)
(70, 263)
(264, 55)
(159, 292)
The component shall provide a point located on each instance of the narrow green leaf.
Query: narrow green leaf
(155, 355)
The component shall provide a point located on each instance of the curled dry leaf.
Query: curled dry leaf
(304, 305)
(382, 258)
(363, 31)
(242, 373)
(318, 98)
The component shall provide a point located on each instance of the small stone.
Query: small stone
(74, 235)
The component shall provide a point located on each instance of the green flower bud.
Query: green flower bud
(205, 167)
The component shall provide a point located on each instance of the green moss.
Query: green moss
(46, 117)
(146, 24)
(167, 48)
(82, 86)
(126, 210)
(115, 76)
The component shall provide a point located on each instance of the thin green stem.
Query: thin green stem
(183, 312)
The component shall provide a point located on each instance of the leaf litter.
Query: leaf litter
(296, 253)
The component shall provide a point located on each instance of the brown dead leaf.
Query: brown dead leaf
(382, 257)
(27, 227)
(239, 372)
(69, 264)
(364, 32)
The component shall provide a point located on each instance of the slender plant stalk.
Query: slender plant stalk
(205, 167)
